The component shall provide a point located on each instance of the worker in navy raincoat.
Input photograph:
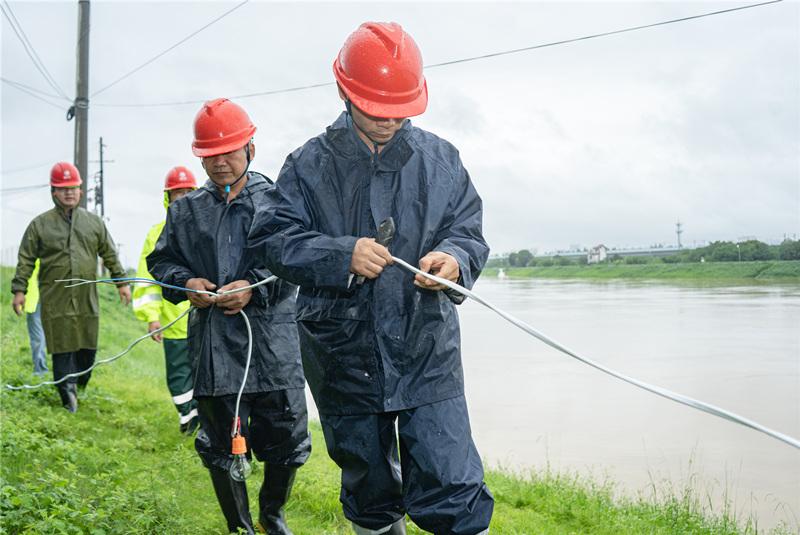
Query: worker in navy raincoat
(381, 348)
(202, 247)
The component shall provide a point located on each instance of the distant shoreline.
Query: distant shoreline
(770, 270)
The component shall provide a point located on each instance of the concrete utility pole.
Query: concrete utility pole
(679, 231)
(82, 98)
(98, 194)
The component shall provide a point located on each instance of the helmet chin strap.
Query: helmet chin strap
(247, 167)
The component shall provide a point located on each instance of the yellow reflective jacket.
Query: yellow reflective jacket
(148, 304)
(32, 295)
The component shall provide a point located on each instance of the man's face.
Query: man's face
(224, 169)
(68, 197)
(175, 194)
(377, 129)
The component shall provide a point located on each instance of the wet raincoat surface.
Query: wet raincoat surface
(206, 237)
(67, 247)
(384, 345)
(148, 304)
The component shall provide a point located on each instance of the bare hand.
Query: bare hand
(200, 300)
(369, 258)
(154, 326)
(440, 264)
(124, 294)
(233, 303)
(18, 303)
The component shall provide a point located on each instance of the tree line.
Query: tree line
(718, 251)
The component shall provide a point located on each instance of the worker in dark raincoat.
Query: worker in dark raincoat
(379, 347)
(151, 308)
(67, 240)
(202, 247)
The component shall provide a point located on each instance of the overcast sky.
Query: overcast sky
(609, 140)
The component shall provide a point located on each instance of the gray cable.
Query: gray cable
(663, 392)
(99, 362)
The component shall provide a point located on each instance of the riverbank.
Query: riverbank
(786, 271)
(120, 466)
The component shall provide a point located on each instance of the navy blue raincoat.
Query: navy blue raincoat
(384, 345)
(206, 237)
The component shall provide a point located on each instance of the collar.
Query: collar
(255, 182)
(343, 137)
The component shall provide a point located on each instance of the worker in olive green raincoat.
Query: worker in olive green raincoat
(151, 308)
(67, 239)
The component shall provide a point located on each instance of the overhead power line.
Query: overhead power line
(26, 168)
(23, 188)
(34, 95)
(452, 62)
(597, 35)
(5, 7)
(16, 84)
(151, 60)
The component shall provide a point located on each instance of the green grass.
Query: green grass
(120, 466)
(765, 271)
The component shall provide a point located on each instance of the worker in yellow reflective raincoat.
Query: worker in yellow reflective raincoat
(33, 317)
(150, 308)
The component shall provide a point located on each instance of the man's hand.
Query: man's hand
(200, 300)
(18, 303)
(369, 258)
(233, 303)
(440, 264)
(154, 326)
(124, 294)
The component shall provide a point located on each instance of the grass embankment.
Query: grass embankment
(766, 271)
(120, 466)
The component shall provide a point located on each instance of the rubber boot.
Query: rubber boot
(274, 494)
(232, 498)
(69, 396)
(398, 528)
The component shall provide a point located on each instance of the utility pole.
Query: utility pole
(98, 194)
(679, 231)
(81, 107)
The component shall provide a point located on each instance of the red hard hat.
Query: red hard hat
(219, 127)
(65, 175)
(179, 178)
(379, 68)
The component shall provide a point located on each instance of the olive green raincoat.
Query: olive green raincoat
(68, 248)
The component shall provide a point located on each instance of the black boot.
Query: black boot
(69, 396)
(398, 528)
(275, 491)
(232, 498)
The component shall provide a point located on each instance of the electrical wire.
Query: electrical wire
(151, 60)
(34, 95)
(20, 84)
(455, 61)
(663, 392)
(20, 189)
(597, 35)
(26, 168)
(30, 50)
(151, 333)
(236, 420)
(99, 362)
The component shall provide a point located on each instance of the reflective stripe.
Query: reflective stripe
(186, 417)
(147, 298)
(183, 398)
